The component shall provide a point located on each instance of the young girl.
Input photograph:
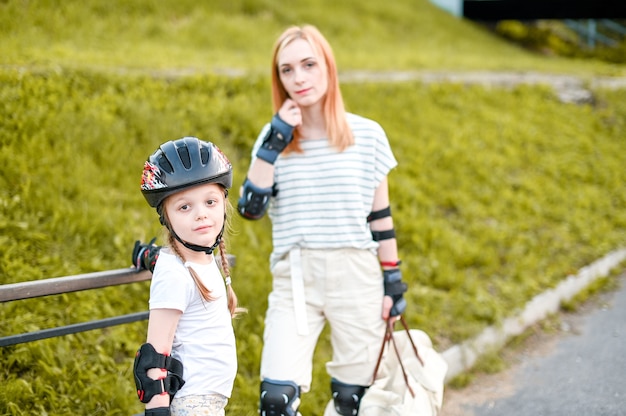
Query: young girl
(322, 173)
(187, 365)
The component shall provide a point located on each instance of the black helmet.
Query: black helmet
(183, 163)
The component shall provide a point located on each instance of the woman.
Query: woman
(322, 173)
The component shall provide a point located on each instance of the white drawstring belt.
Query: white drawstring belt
(297, 288)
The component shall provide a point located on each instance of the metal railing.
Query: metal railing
(67, 284)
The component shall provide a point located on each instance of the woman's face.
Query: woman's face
(197, 214)
(302, 73)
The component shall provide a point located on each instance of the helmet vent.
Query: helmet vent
(165, 164)
(183, 153)
(204, 155)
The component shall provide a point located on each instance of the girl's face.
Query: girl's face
(302, 73)
(197, 214)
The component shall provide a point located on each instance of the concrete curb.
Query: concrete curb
(463, 356)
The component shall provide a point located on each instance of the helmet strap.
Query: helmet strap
(195, 247)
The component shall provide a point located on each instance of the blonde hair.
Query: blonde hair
(223, 263)
(337, 128)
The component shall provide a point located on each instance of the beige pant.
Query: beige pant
(342, 286)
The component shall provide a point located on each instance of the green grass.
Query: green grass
(498, 196)
(214, 35)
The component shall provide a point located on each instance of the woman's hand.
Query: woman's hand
(387, 305)
(290, 113)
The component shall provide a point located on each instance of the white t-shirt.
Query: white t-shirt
(204, 340)
(324, 196)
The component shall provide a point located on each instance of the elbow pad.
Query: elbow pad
(254, 200)
(381, 235)
(147, 358)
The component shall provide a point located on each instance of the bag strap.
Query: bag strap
(408, 333)
(390, 338)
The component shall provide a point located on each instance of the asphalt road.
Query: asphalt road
(579, 369)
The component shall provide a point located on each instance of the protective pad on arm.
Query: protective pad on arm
(395, 287)
(254, 200)
(277, 138)
(376, 215)
(145, 359)
(158, 411)
(383, 235)
(279, 398)
(145, 255)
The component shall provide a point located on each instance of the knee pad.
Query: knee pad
(279, 398)
(346, 397)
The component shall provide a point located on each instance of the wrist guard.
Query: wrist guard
(158, 411)
(395, 288)
(145, 255)
(277, 138)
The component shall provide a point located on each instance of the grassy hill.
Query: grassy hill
(219, 36)
(499, 194)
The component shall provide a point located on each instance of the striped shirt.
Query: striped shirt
(324, 196)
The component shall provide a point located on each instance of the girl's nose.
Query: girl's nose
(202, 214)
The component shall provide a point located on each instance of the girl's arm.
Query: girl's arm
(162, 325)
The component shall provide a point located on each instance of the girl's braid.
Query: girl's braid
(232, 297)
(204, 291)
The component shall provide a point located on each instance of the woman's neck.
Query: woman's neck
(313, 124)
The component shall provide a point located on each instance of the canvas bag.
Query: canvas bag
(408, 380)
